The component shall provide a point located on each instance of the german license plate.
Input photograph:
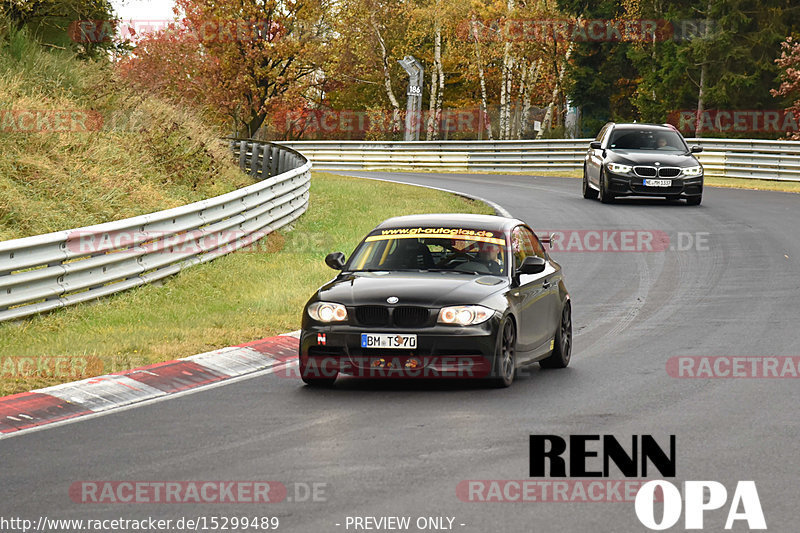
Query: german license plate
(658, 183)
(388, 340)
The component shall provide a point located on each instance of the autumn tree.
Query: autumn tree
(789, 89)
(235, 57)
(531, 60)
(370, 36)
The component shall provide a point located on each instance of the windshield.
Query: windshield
(647, 140)
(432, 249)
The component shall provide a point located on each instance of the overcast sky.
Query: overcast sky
(144, 9)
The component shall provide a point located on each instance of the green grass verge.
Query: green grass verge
(759, 185)
(234, 299)
(137, 155)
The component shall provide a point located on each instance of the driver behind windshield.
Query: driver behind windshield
(489, 256)
(662, 144)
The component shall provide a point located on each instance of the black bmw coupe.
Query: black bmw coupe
(642, 160)
(437, 296)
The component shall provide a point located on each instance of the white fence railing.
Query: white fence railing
(731, 158)
(54, 270)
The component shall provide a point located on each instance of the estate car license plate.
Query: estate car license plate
(388, 340)
(658, 183)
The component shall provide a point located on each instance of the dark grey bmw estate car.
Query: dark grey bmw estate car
(642, 160)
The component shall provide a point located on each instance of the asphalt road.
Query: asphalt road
(401, 449)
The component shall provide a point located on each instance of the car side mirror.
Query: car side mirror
(531, 265)
(335, 260)
(547, 239)
(595, 145)
(696, 149)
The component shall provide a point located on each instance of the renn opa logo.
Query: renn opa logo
(592, 456)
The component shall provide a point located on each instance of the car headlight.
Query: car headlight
(618, 168)
(327, 312)
(692, 171)
(464, 315)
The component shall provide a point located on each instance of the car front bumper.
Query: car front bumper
(627, 185)
(441, 352)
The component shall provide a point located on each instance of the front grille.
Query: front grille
(669, 172)
(646, 172)
(372, 315)
(382, 316)
(410, 317)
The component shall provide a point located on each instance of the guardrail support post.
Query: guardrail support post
(254, 161)
(267, 152)
(282, 161)
(243, 155)
(273, 161)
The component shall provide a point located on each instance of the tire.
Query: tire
(504, 367)
(562, 351)
(605, 196)
(316, 381)
(694, 200)
(588, 192)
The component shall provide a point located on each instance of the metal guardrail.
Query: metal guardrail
(727, 158)
(45, 272)
(746, 158)
(444, 155)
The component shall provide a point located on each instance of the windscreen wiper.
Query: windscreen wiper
(449, 270)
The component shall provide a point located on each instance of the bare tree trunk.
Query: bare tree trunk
(387, 80)
(698, 121)
(437, 54)
(430, 129)
(505, 87)
(547, 121)
(482, 77)
(533, 77)
(505, 96)
(555, 98)
(437, 86)
(516, 124)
